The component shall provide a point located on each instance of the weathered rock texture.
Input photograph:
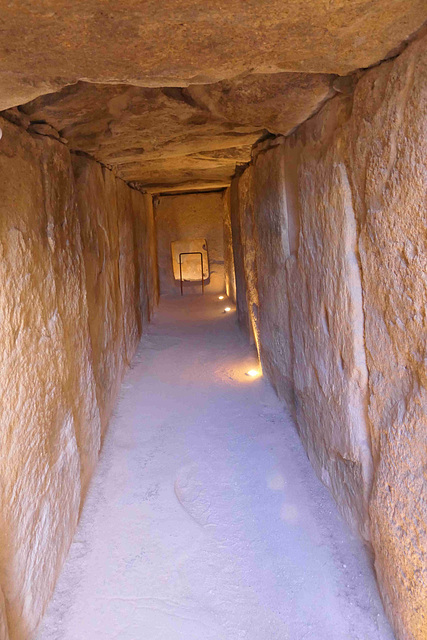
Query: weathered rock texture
(327, 228)
(177, 138)
(70, 306)
(229, 268)
(296, 343)
(178, 112)
(119, 251)
(238, 256)
(336, 213)
(185, 217)
(44, 47)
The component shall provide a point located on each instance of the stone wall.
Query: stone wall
(188, 216)
(73, 299)
(238, 254)
(229, 269)
(336, 213)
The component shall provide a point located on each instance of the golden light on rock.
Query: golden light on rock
(289, 174)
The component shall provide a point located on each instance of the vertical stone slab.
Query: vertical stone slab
(146, 251)
(64, 237)
(132, 322)
(388, 150)
(230, 275)
(151, 261)
(140, 253)
(152, 258)
(249, 252)
(272, 252)
(95, 188)
(50, 429)
(4, 632)
(330, 372)
(71, 266)
(298, 235)
(239, 267)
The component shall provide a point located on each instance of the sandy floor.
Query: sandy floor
(205, 520)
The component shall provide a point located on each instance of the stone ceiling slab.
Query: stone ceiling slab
(47, 45)
(173, 135)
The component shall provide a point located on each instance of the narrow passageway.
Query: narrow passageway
(204, 520)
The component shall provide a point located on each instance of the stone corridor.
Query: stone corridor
(272, 152)
(204, 518)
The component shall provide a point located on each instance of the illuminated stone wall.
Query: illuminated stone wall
(188, 216)
(76, 287)
(336, 213)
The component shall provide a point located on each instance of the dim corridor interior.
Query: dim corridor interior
(204, 520)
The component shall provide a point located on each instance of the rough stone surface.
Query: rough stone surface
(186, 217)
(178, 112)
(249, 248)
(269, 238)
(239, 269)
(388, 144)
(128, 271)
(4, 635)
(146, 254)
(47, 46)
(172, 137)
(54, 297)
(300, 306)
(99, 229)
(113, 244)
(50, 433)
(354, 183)
(229, 269)
(330, 375)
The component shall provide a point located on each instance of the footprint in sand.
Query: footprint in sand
(190, 490)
